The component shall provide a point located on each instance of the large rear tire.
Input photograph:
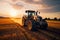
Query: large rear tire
(43, 25)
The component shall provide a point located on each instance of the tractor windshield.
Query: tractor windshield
(31, 14)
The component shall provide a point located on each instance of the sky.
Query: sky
(47, 8)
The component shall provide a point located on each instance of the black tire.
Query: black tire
(43, 24)
(34, 25)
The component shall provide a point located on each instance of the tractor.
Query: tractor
(33, 21)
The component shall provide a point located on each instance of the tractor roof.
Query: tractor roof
(30, 11)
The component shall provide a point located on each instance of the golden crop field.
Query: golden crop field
(9, 30)
(7, 23)
(54, 24)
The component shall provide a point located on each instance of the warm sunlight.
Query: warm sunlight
(13, 13)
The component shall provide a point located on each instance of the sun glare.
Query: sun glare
(13, 13)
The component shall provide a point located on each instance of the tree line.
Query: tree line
(57, 19)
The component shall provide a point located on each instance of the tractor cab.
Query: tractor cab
(30, 14)
(33, 15)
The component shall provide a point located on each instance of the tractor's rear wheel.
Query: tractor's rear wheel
(43, 25)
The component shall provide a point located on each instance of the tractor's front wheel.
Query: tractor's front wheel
(28, 24)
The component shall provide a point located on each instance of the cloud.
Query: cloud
(46, 2)
(50, 10)
(55, 4)
(51, 2)
(13, 3)
(32, 1)
(14, 0)
(42, 5)
(45, 5)
(18, 6)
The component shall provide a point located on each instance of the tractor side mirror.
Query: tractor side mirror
(25, 11)
(39, 12)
